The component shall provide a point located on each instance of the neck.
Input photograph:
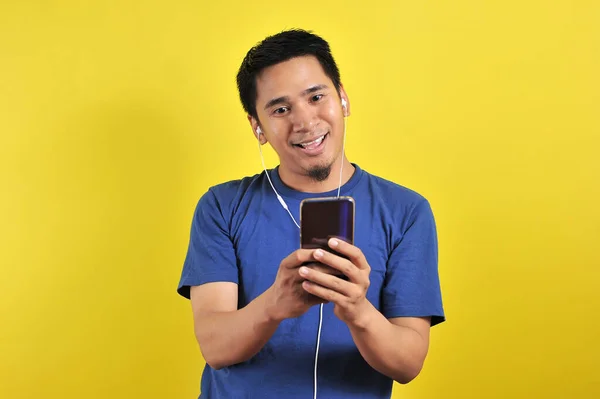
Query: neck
(304, 183)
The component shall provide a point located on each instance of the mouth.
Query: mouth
(313, 147)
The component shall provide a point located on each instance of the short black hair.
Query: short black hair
(278, 48)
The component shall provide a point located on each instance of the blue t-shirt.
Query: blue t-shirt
(240, 233)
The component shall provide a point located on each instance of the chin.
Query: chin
(320, 171)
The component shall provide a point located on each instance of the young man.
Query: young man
(257, 310)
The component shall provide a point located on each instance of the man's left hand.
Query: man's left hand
(349, 296)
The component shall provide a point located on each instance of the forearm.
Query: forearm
(395, 351)
(228, 338)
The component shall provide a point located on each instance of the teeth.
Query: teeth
(317, 141)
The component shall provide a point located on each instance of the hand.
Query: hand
(286, 298)
(348, 296)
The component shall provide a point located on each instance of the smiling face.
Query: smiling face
(301, 116)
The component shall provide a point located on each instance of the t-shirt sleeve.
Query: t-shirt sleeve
(210, 256)
(412, 284)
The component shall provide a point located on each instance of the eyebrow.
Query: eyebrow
(284, 99)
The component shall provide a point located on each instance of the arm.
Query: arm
(225, 334)
(209, 279)
(396, 347)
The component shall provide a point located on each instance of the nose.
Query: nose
(303, 118)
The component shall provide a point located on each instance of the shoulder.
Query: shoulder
(237, 188)
(396, 207)
(395, 196)
(225, 198)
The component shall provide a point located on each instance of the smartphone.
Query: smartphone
(324, 218)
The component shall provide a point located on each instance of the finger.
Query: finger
(323, 269)
(354, 253)
(323, 292)
(327, 280)
(297, 258)
(343, 265)
(307, 298)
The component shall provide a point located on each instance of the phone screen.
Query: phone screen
(325, 218)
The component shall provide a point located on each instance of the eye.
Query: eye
(316, 97)
(280, 110)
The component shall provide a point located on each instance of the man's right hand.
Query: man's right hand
(286, 297)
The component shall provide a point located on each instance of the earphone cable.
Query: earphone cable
(284, 205)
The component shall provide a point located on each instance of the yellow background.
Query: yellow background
(115, 116)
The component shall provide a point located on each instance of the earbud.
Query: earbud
(258, 131)
(344, 103)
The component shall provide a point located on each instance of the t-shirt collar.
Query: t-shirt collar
(286, 191)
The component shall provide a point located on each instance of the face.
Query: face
(301, 116)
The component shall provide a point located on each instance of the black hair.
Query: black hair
(278, 48)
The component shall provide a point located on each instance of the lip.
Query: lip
(314, 151)
(312, 139)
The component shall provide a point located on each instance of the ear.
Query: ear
(256, 131)
(344, 96)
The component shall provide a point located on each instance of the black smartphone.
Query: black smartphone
(324, 218)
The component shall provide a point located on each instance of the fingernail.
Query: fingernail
(333, 242)
(303, 270)
(318, 253)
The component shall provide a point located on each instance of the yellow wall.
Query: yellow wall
(116, 116)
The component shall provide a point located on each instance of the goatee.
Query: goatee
(319, 173)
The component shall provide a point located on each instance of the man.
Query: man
(257, 311)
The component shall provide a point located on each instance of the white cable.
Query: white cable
(318, 345)
(284, 205)
(321, 310)
(343, 158)
(281, 201)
